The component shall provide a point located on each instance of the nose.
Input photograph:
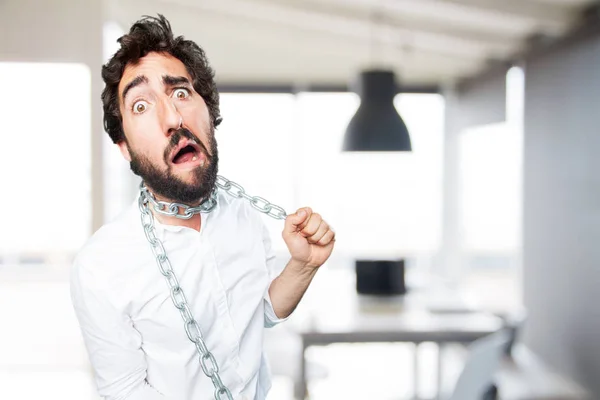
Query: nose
(171, 118)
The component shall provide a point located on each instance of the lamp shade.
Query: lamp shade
(377, 126)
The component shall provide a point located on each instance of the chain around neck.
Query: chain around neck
(178, 210)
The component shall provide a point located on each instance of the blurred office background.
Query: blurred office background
(495, 212)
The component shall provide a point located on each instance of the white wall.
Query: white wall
(561, 251)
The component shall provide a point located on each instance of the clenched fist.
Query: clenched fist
(308, 237)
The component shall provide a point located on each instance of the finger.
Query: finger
(322, 230)
(294, 222)
(327, 238)
(303, 224)
(312, 225)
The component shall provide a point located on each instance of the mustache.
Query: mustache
(187, 134)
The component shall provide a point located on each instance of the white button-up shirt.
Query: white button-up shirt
(133, 333)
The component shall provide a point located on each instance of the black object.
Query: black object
(380, 277)
(491, 393)
(376, 126)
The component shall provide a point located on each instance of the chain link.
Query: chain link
(178, 210)
(262, 205)
(182, 211)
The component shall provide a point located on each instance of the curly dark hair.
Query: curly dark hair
(151, 34)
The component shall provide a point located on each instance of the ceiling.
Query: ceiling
(326, 42)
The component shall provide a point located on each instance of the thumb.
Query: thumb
(294, 222)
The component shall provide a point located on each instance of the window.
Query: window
(490, 205)
(490, 172)
(45, 159)
(490, 178)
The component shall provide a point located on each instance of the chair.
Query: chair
(514, 323)
(483, 360)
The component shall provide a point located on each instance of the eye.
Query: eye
(139, 107)
(181, 93)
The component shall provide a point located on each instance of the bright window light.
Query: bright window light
(45, 157)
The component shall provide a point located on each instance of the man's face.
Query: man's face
(170, 140)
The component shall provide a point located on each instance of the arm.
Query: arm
(112, 342)
(287, 289)
(310, 241)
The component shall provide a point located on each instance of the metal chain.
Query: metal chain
(173, 209)
(259, 203)
(192, 329)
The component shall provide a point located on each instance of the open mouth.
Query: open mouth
(188, 151)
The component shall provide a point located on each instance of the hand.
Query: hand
(308, 237)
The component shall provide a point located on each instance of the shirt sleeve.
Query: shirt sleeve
(112, 342)
(271, 318)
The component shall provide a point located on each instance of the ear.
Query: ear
(124, 150)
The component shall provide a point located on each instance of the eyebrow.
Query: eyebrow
(136, 82)
(169, 80)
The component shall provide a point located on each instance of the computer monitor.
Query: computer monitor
(380, 277)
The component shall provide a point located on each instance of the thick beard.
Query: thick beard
(167, 184)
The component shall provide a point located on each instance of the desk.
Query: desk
(346, 317)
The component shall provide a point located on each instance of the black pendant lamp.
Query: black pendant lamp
(377, 126)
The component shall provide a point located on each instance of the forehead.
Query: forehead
(153, 66)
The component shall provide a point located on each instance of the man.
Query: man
(200, 336)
